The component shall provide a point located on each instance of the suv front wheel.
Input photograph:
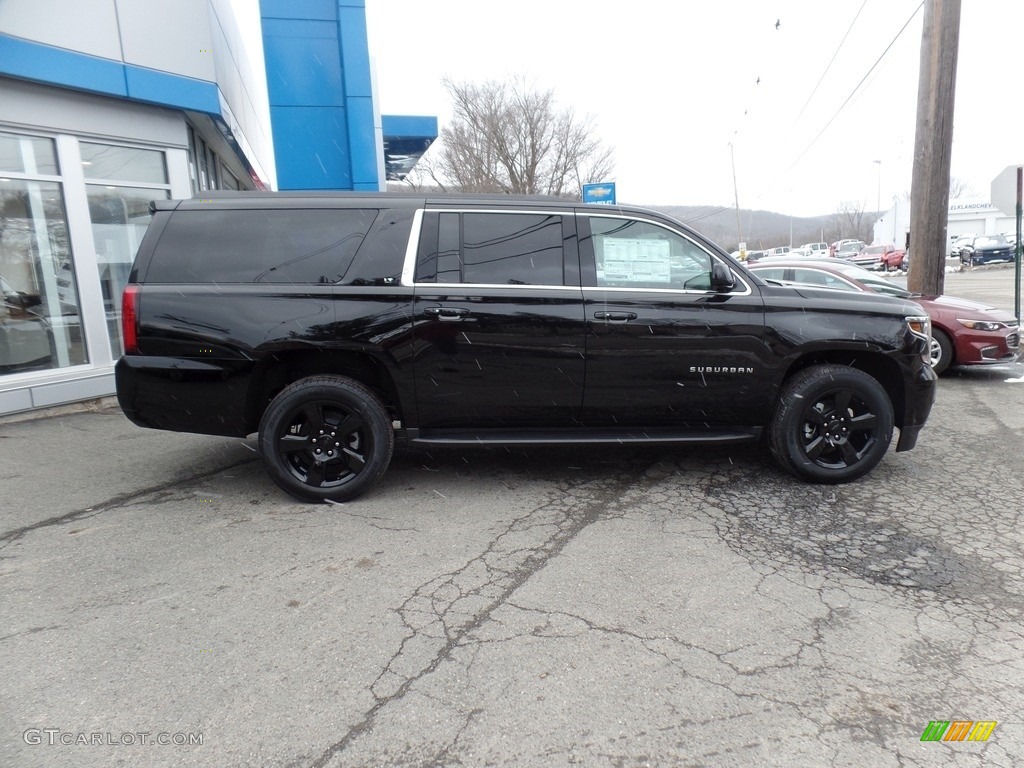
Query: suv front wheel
(326, 438)
(833, 424)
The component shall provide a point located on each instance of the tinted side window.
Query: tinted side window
(517, 248)
(259, 246)
(380, 258)
(629, 253)
(491, 248)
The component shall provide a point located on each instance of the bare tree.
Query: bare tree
(849, 219)
(959, 188)
(513, 138)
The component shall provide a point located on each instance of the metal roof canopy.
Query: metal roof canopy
(406, 138)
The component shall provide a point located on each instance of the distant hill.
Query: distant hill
(761, 229)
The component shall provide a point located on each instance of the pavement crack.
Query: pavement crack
(115, 502)
(440, 613)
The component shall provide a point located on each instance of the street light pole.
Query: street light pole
(736, 192)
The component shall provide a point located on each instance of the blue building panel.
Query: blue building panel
(324, 10)
(311, 148)
(355, 51)
(362, 141)
(321, 99)
(70, 69)
(410, 126)
(172, 90)
(303, 63)
(321, 103)
(57, 66)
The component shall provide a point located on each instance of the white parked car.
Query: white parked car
(815, 249)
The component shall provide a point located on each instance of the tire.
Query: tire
(296, 431)
(832, 424)
(940, 351)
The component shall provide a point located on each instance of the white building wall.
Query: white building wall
(168, 36)
(87, 26)
(217, 41)
(34, 106)
(241, 74)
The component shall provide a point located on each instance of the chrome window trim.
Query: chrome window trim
(409, 267)
(511, 286)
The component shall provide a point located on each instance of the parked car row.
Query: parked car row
(971, 249)
(878, 258)
(964, 332)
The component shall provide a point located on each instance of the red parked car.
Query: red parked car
(964, 332)
(879, 257)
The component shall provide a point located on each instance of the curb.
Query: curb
(105, 404)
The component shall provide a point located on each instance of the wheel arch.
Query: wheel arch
(277, 370)
(880, 367)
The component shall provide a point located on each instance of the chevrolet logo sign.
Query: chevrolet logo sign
(599, 193)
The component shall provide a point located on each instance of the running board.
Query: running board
(637, 435)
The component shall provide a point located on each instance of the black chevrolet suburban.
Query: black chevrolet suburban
(333, 324)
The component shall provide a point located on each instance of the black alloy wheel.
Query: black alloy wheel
(833, 424)
(326, 438)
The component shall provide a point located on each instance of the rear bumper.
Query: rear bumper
(182, 395)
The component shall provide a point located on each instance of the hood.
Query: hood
(957, 304)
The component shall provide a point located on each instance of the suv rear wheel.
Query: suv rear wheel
(833, 424)
(326, 437)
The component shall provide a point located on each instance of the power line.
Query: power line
(831, 61)
(856, 88)
(843, 106)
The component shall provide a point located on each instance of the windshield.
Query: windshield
(875, 283)
(990, 240)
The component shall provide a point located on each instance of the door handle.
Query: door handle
(446, 313)
(615, 317)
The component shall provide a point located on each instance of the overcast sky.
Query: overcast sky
(672, 84)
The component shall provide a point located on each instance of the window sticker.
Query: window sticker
(635, 260)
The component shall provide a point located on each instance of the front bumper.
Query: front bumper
(920, 396)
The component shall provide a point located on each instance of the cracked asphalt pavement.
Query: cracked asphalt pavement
(606, 606)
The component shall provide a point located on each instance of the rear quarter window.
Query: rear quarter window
(259, 246)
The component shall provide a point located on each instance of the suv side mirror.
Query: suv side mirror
(722, 280)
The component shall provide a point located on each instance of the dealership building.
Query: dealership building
(996, 214)
(106, 105)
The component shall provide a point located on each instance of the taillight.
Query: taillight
(130, 318)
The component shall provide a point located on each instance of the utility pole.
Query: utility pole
(933, 146)
(736, 192)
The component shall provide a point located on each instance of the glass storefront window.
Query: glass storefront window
(228, 180)
(114, 163)
(119, 217)
(40, 325)
(27, 154)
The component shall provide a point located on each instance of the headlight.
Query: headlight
(921, 326)
(981, 325)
